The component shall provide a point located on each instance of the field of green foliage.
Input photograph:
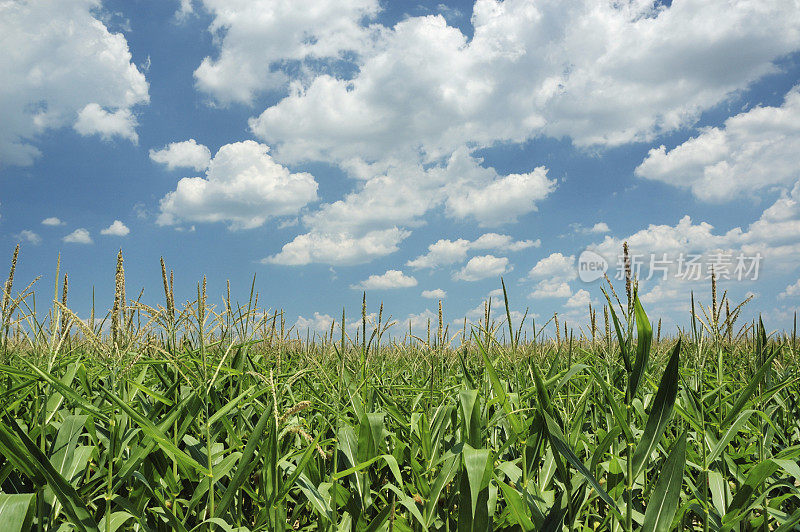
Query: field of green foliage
(215, 417)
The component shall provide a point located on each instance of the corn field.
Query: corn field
(201, 416)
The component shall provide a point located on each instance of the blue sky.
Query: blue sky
(326, 146)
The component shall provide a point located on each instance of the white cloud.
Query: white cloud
(52, 221)
(436, 293)
(243, 186)
(63, 67)
(792, 290)
(482, 267)
(78, 236)
(503, 242)
(338, 248)
(601, 73)
(441, 253)
(579, 299)
(600, 227)
(29, 236)
(184, 10)
(556, 266)
(116, 229)
(752, 151)
(258, 38)
(554, 273)
(94, 120)
(186, 154)
(503, 200)
(398, 194)
(390, 279)
(319, 323)
(662, 293)
(444, 252)
(551, 288)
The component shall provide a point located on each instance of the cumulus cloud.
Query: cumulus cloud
(319, 323)
(603, 74)
(553, 274)
(67, 69)
(551, 288)
(243, 186)
(598, 228)
(390, 279)
(444, 252)
(482, 267)
(503, 200)
(53, 221)
(751, 151)
(792, 290)
(257, 39)
(186, 154)
(403, 109)
(94, 120)
(185, 9)
(503, 242)
(398, 194)
(116, 229)
(441, 253)
(579, 299)
(78, 236)
(338, 248)
(436, 293)
(556, 266)
(29, 236)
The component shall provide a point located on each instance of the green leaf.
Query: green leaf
(446, 474)
(160, 438)
(318, 502)
(644, 337)
(66, 391)
(246, 463)
(301, 465)
(16, 512)
(665, 498)
(748, 391)
(726, 438)
(476, 462)
(497, 386)
(557, 440)
(745, 493)
(660, 413)
(117, 520)
(471, 417)
(623, 343)
(516, 506)
(76, 510)
(388, 458)
(616, 409)
(66, 441)
(231, 404)
(13, 451)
